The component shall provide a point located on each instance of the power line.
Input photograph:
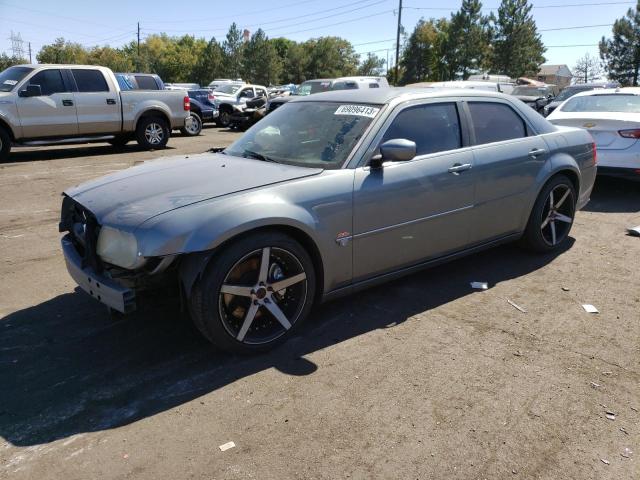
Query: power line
(339, 23)
(535, 7)
(575, 27)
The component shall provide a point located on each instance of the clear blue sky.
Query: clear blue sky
(93, 22)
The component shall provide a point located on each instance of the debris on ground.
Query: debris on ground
(635, 231)
(626, 453)
(516, 306)
(226, 446)
(610, 415)
(606, 462)
(623, 430)
(607, 373)
(517, 353)
(595, 385)
(479, 285)
(590, 308)
(565, 289)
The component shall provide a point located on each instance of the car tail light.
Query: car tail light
(187, 103)
(632, 133)
(595, 153)
(211, 97)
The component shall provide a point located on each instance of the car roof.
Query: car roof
(386, 95)
(609, 91)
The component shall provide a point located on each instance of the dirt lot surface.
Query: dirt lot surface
(421, 378)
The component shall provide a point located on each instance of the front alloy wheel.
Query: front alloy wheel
(254, 293)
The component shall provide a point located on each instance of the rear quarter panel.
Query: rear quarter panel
(136, 102)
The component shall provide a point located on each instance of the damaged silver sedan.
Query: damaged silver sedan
(328, 194)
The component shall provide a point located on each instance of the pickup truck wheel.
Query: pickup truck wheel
(224, 119)
(552, 216)
(152, 132)
(5, 145)
(254, 293)
(195, 126)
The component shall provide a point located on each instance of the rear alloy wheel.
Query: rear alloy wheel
(253, 295)
(552, 215)
(152, 133)
(193, 127)
(224, 118)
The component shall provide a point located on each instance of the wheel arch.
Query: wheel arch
(193, 264)
(152, 112)
(5, 126)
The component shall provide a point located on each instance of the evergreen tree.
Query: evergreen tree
(469, 40)
(621, 53)
(372, 65)
(210, 64)
(422, 56)
(518, 48)
(261, 63)
(232, 49)
(330, 57)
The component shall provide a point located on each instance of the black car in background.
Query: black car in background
(571, 90)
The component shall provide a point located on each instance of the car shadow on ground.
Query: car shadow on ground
(614, 195)
(19, 155)
(68, 368)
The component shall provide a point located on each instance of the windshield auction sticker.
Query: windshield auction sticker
(10, 82)
(358, 110)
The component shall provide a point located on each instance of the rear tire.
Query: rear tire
(552, 216)
(196, 126)
(152, 133)
(224, 118)
(243, 302)
(5, 145)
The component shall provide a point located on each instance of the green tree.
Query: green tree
(6, 61)
(518, 48)
(261, 63)
(210, 64)
(115, 59)
(62, 51)
(330, 57)
(621, 54)
(372, 65)
(423, 58)
(468, 41)
(232, 50)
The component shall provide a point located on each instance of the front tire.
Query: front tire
(552, 216)
(195, 126)
(224, 118)
(152, 133)
(254, 293)
(5, 145)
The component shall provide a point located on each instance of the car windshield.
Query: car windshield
(307, 134)
(10, 77)
(617, 102)
(307, 88)
(531, 91)
(230, 89)
(570, 92)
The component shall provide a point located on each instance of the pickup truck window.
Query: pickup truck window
(495, 122)
(10, 77)
(50, 82)
(146, 83)
(434, 128)
(90, 80)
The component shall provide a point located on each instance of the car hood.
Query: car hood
(282, 99)
(128, 198)
(528, 98)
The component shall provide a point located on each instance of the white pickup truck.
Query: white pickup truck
(59, 104)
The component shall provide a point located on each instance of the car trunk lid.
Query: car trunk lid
(603, 127)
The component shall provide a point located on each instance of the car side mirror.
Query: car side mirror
(31, 91)
(394, 150)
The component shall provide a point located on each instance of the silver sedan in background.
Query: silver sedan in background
(328, 194)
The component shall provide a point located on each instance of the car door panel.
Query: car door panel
(408, 212)
(53, 114)
(97, 102)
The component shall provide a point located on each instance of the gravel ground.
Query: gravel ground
(421, 378)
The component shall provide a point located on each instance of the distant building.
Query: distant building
(559, 75)
(246, 35)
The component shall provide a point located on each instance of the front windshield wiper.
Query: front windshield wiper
(258, 156)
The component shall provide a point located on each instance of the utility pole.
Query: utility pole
(138, 56)
(30, 60)
(398, 40)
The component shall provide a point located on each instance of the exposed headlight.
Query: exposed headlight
(119, 248)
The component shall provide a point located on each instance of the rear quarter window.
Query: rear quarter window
(495, 122)
(146, 83)
(90, 80)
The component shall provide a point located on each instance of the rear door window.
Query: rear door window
(146, 83)
(434, 127)
(50, 81)
(495, 122)
(90, 80)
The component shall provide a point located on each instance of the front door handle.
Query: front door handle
(111, 101)
(536, 152)
(67, 103)
(456, 168)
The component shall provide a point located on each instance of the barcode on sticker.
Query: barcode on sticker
(358, 110)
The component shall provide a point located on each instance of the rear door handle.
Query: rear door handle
(536, 152)
(111, 101)
(67, 103)
(458, 167)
